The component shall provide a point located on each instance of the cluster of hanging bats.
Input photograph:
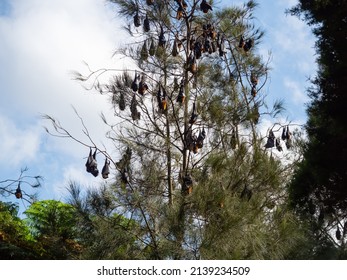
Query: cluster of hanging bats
(312, 209)
(123, 165)
(209, 41)
(272, 141)
(92, 165)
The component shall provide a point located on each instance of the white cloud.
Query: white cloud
(288, 37)
(294, 36)
(295, 49)
(19, 146)
(292, 61)
(287, 3)
(296, 90)
(43, 42)
(73, 173)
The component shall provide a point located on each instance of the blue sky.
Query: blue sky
(42, 41)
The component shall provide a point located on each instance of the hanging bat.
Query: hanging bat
(135, 85)
(192, 43)
(203, 133)
(254, 91)
(338, 234)
(162, 104)
(91, 164)
(94, 165)
(207, 45)
(106, 169)
(146, 25)
(197, 50)
(174, 52)
(248, 45)
(201, 138)
(242, 42)
(212, 33)
(180, 98)
(121, 102)
(192, 67)
(18, 192)
(159, 98)
(162, 39)
(163, 101)
(288, 133)
(190, 140)
(289, 143)
(195, 148)
(179, 14)
(89, 161)
(142, 86)
(254, 79)
(137, 21)
(278, 145)
(133, 109)
(205, 7)
(187, 186)
(233, 140)
(184, 4)
(284, 134)
(270, 140)
(150, 2)
(125, 160)
(194, 116)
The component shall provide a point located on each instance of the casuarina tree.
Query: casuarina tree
(193, 170)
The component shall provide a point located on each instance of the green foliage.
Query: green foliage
(260, 225)
(16, 241)
(51, 217)
(103, 233)
(52, 223)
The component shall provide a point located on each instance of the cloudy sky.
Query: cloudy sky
(42, 41)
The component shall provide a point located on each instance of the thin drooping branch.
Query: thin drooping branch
(13, 186)
(62, 132)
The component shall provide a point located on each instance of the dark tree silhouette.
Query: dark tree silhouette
(319, 185)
